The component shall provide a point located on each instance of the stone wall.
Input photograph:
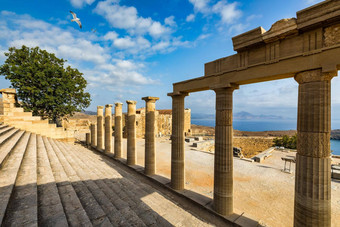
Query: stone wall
(252, 145)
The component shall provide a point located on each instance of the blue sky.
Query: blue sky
(141, 47)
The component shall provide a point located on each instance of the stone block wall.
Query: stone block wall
(252, 145)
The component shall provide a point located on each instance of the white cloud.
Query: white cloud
(228, 12)
(124, 43)
(200, 5)
(81, 3)
(170, 21)
(126, 17)
(190, 18)
(111, 36)
(94, 60)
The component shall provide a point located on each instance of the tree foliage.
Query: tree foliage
(286, 141)
(43, 84)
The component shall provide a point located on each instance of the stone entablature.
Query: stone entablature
(307, 42)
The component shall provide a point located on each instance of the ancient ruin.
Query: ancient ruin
(306, 48)
(70, 185)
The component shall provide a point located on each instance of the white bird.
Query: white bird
(76, 19)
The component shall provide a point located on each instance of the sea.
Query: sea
(268, 125)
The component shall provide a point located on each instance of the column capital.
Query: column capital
(108, 106)
(118, 104)
(314, 76)
(179, 93)
(150, 99)
(100, 111)
(131, 102)
(224, 86)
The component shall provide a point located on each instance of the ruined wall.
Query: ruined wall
(252, 145)
(80, 125)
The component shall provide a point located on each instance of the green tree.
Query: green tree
(286, 141)
(43, 84)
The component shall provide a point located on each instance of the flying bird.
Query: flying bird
(93, 30)
(76, 19)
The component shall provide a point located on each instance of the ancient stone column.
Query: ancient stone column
(312, 205)
(131, 155)
(223, 164)
(118, 133)
(177, 141)
(108, 128)
(93, 135)
(88, 139)
(100, 128)
(150, 133)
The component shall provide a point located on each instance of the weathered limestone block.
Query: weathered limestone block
(118, 133)
(108, 128)
(313, 174)
(131, 154)
(100, 128)
(332, 35)
(150, 133)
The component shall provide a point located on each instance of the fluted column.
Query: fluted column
(223, 164)
(88, 139)
(118, 133)
(177, 141)
(312, 205)
(131, 155)
(150, 133)
(108, 128)
(100, 128)
(93, 129)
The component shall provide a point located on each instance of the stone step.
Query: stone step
(2, 126)
(75, 213)
(23, 125)
(50, 208)
(10, 168)
(22, 209)
(123, 214)
(17, 109)
(5, 129)
(8, 142)
(91, 206)
(124, 192)
(138, 190)
(22, 114)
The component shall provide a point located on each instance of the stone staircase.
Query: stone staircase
(16, 117)
(48, 182)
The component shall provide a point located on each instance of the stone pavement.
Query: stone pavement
(51, 183)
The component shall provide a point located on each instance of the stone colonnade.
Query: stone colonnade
(313, 178)
(97, 135)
